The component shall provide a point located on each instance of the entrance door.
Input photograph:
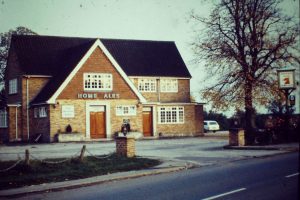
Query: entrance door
(97, 125)
(147, 122)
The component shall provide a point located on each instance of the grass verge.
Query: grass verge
(38, 172)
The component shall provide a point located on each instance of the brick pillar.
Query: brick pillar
(125, 146)
(236, 137)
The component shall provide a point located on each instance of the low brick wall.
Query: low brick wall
(125, 146)
(236, 137)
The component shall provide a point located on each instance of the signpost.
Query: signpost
(286, 81)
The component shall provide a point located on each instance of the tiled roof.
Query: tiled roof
(147, 58)
(57, 57)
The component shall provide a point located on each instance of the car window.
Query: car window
(205, 123)
(213, 123)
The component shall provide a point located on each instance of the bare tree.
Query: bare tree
(5, 43)
(243, 44)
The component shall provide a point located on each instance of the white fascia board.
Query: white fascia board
(13, 105)
(159, 77)
(172, 103)
(99, 44)
(37, 76)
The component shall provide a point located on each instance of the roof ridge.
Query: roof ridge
(52, 36)
(138, 40)
(95, 38)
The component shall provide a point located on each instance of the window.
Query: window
(42, 112)
(147, 85)
(3, 119)
(169, 85)
(171, 115)
(67, 111)
(36, 112)
(97, 81)
(126, 110)
(13, 86)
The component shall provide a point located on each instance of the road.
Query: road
(274, 177)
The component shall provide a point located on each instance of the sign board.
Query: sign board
(286, 79)
(292, 100)
(67, 111)
(86, 96)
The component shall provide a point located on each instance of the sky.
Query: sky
(166, 20)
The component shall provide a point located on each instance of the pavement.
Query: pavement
(175, 154)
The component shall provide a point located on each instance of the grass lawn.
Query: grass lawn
(38, 172)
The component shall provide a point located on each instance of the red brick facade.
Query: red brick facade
(53, 122)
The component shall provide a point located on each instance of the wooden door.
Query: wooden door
(147, 123)
(97, 125)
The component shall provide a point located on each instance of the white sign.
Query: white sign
(87, 96)
(67, 111)
(111, 96)
(286, 79)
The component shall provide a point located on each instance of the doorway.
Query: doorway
(97, 122)
(147, 122)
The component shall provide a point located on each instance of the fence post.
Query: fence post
(27, 160)
(82, 153)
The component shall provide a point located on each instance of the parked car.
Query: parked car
(210, 125)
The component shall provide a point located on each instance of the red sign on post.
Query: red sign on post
(286, 79)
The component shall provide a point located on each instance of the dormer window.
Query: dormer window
(13, 86)
(97, 82)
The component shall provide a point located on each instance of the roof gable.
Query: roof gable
(80, 64)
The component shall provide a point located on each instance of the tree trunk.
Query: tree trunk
(249, 114)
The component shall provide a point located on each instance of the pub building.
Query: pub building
(92, 86)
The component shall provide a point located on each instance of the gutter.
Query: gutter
(27, 106)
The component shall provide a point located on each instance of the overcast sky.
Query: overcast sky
(120, 19)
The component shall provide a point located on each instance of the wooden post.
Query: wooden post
(27, 160)
(82, 153)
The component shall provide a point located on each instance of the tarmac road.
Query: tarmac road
(273, 177)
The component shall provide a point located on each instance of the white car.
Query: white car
(211, 126)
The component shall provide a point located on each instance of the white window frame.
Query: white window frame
(42, 112)
(35, 112)
(3, 119)
(171, 115)
(168, 85)
(13, 86)
(67, 111)
(125, 110)
(97, 82)
(147, 85)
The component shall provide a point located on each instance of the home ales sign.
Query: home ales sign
(95, 96)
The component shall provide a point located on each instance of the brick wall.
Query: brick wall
(97, 63)
(15, 126)
(13, 71)
(183, 94)
(136, 122)
(78, 123)
(192, 125)
(35, 85)
(125, 146)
